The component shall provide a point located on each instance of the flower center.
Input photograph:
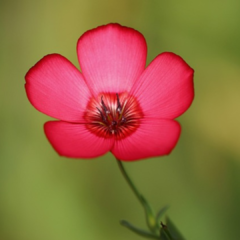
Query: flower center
(112, 114)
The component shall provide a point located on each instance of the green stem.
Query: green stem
(150, 218)
(158, 231)
(129, 181)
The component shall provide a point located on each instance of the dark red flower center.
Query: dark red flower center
(113, 115)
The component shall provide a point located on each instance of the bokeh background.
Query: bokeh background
(44, 196)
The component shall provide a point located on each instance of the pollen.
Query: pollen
(113, 115)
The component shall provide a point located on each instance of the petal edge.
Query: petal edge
(56, 87)
(111, 57)
(155, 137)
(165, 89)
(75, 141)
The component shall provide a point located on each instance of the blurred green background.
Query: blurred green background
(44, 196)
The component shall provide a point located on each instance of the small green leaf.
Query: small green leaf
(139, 231)
(160, 214)
(164, 233)
(176, 235)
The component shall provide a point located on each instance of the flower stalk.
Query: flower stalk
(158, 230)
(150, 218)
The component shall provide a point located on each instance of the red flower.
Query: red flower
(115, 104)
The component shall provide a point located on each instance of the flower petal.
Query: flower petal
(155, 137)
(165, 89)
(111, 57)
(56, 87)
(75, 141)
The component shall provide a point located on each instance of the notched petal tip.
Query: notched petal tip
(112, 27)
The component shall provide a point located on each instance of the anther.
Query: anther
(123, 120)
(119, 107)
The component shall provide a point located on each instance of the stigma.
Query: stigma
(115, 115)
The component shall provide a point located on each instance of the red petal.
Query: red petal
(165, 89)
(55, 87)
(75, 141)
(111, 57)
(153, 138)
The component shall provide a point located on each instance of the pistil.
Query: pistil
(109, 118)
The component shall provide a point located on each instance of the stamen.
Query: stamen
(113, 115)
(102, 116)
(119, 107)
(123, 120)
(104, 106)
